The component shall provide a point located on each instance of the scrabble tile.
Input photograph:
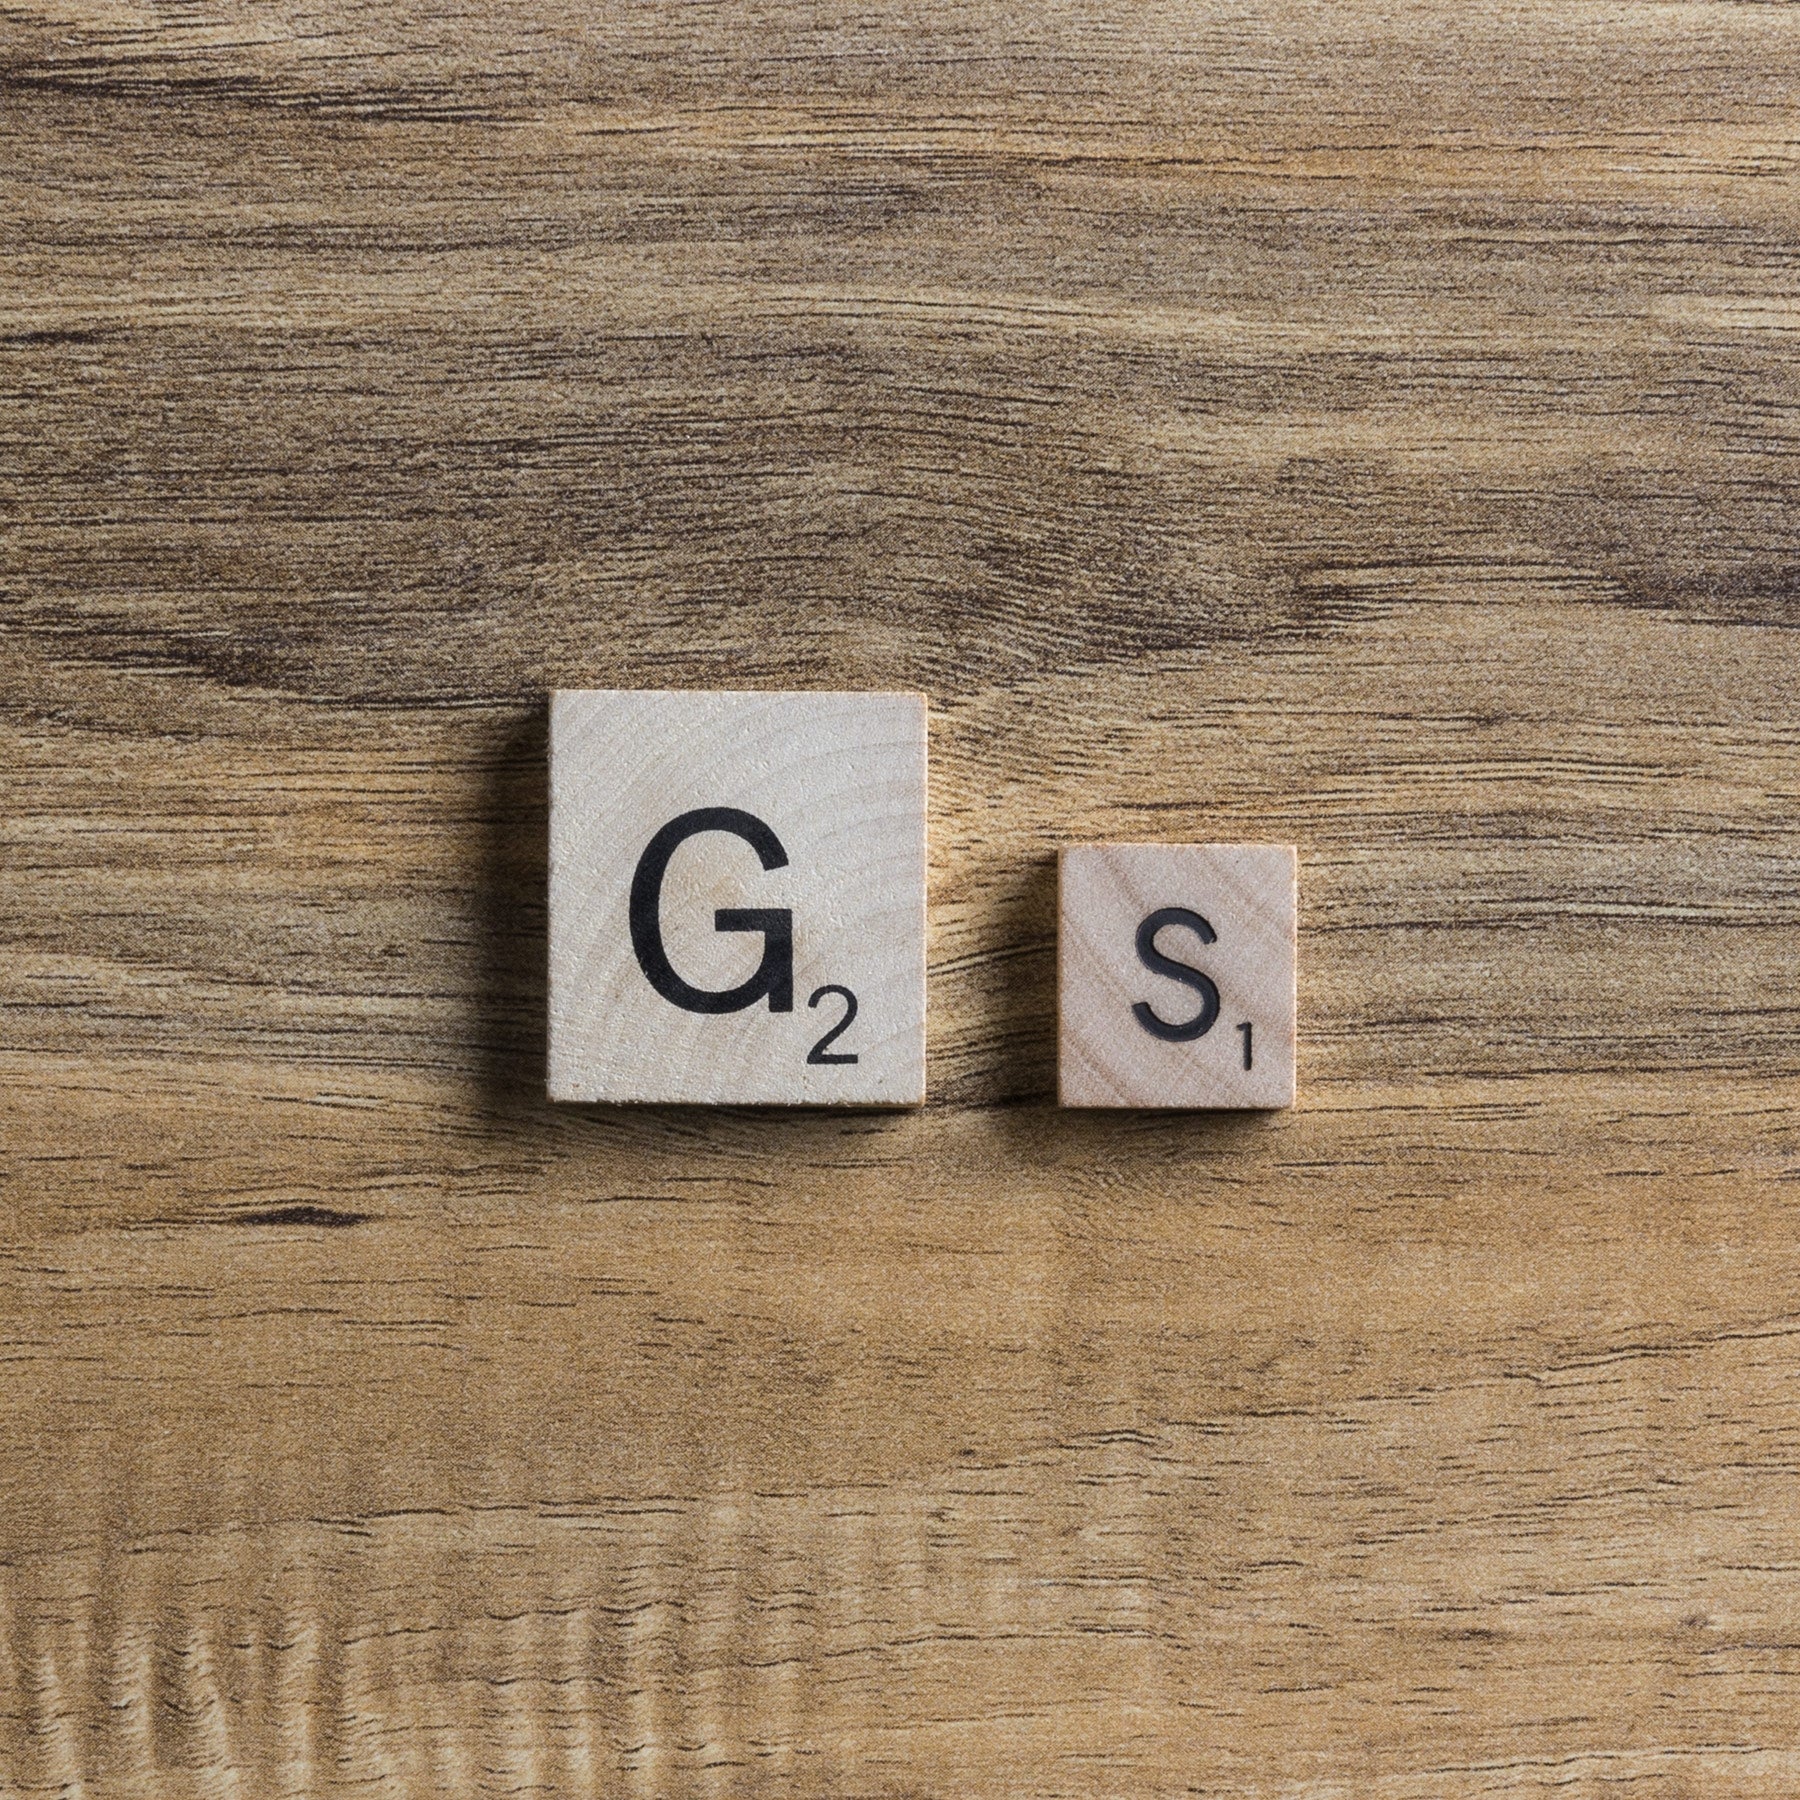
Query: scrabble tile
(737, 898)
(1175, 967)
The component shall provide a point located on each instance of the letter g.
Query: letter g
(773, 976)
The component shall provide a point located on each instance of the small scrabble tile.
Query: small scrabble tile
(1175, 971)
(737, 898)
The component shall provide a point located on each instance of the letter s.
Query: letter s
(774, 975)
(1203, 985)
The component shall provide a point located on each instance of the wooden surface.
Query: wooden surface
(1371, 427)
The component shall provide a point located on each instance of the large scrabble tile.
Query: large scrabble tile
(1176, 975)
(737, 898)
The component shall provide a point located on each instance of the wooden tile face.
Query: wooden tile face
(718, 859)
(1176, 975)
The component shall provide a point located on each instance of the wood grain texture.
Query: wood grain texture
(1369, 427)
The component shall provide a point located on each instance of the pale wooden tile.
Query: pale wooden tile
(1151, 1013)
(821, 844)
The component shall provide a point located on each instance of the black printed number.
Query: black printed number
(1245, 1029)
(821, 1052)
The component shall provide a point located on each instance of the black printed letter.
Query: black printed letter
(774, 975)
(1152, 958)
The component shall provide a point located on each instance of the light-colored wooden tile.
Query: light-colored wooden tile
(1176, 975)
(734, 876)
